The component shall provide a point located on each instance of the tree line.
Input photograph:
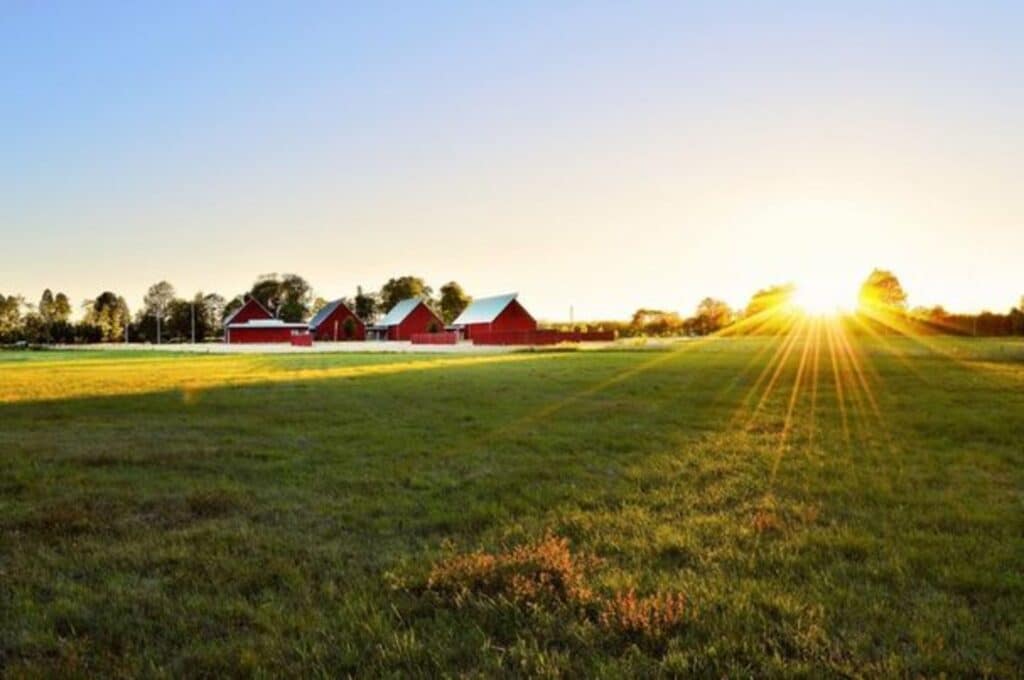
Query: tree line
(882, 310)
(166, 317)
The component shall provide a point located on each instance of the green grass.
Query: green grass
(212, 515)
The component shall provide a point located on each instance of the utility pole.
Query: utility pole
(193, 322)
(159, 313)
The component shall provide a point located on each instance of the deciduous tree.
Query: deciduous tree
(109, 314)
(769, 299)
(712, 316)
(882, 290)
(288, 297)
(46, 305)
(453, 301)
(318, 304)
(10, 317)
(401, 288)
(213, 311)
(366, 305)
(180, 316)
(655, 322)
(60, 312)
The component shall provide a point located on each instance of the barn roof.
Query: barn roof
(327, 310)
(266, 323)
(484, 310)
(401, 310)
(248, 301)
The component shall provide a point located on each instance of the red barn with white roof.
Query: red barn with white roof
(408, 317)
(498, 314)
(264, 330)
(251, 309)
(252, 323)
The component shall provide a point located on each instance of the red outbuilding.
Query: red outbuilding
(498, 314)
(250, 310)
(408, 317)
(264, 330)
(252, 323)
(336, 322)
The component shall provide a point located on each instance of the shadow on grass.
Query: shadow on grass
(276, 527)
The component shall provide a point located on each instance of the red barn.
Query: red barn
(498, 314)
(263, 330)
(408, 317)
(337, 322)
(250, 310)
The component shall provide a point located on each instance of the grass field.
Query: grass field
(821, 508)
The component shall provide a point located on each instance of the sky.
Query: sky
(598, 156)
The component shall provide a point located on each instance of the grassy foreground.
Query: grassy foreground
(811, 508)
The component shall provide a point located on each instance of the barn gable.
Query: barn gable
(249, 311)
(330, 323)
(329, 309)
(408, 317)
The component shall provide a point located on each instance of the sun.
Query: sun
(822, 298)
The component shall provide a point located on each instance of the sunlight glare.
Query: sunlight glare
(823, 298)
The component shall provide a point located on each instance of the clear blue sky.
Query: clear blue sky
(602, 155)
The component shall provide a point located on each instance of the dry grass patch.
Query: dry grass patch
(541, 571)
(655, 616)
(547, 574)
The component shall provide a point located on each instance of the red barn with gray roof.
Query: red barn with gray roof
(337, 322)
(497, 314)
(408, 317)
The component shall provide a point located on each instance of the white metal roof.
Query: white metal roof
(267, 323)
(484, 310)
(397, 314)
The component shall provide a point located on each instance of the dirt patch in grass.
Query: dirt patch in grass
(69, 517)
(170, 512)
(217, 502)
(96, 514)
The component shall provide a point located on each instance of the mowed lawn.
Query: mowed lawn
(824, 508)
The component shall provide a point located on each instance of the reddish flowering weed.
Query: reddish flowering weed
(653, 616)
(546, 573)
(545, 570)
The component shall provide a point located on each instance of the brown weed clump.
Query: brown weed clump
(546, 573)
(766, 521)
(655, 616)
(542, 571)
